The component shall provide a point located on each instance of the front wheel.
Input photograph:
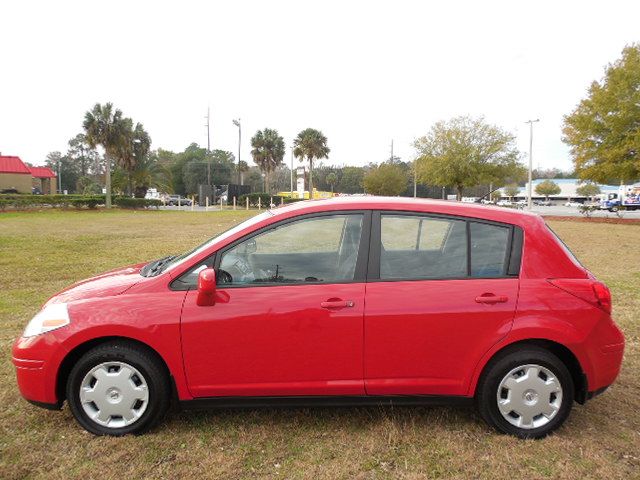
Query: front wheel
(527, 393)
(118, 388)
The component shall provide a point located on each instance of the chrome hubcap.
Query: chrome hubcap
(114, 394)
(529, 396)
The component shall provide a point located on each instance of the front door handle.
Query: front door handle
(335, 303)
(490, 298)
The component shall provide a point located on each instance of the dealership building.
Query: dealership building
(568, 190)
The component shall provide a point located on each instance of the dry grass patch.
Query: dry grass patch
(40, 253)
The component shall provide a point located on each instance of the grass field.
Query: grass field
(40, 253)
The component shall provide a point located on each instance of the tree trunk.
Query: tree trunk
(266, 182)
(310, 178)
(459, 194)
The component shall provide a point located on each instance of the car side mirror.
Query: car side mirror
(206, 288)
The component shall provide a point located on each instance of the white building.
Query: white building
(568, 190)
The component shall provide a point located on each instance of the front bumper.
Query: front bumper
(36, 360)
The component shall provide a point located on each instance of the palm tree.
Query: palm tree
(332, 179)
(312, 144)
(132, 148)
(267, 151)
(102, 126)
(243, 167)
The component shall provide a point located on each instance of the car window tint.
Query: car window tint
(489, 245)
(422, 247)
(313, 250)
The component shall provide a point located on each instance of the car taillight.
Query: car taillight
(603, 294)
(587, 289)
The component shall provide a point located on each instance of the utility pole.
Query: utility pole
(530, 122)
(415, 178)
(391, 158)
(237, 124)
(208, 150)
(59, 176)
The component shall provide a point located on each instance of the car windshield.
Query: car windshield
(169, 263)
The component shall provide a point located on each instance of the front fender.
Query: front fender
(152, 319)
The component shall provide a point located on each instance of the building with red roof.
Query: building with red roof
(44, 179)
(15, 175)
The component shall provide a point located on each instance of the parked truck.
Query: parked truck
(627, 198)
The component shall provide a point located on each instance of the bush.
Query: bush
(135, 203)
(264, 198)
(63, 201)
(587, 210)
(91, 202)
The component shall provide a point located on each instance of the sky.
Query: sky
(364, 73)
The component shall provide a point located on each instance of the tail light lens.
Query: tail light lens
(590, 290)
(603, 294)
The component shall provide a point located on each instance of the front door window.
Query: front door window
(309, 251)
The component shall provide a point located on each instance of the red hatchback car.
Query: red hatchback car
(343, 301)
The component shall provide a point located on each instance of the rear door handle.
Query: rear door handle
(490, 298)
(333, 304)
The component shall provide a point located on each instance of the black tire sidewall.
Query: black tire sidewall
(487, 392)
(147, 366)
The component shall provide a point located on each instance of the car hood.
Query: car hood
(106, 284)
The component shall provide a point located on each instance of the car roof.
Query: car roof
(443, 207)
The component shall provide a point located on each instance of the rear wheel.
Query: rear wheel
(118, 388)
(527, 393)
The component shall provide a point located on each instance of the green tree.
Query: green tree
(351, 180)
(132, 149)
(511, 190)
(386, 179)
(312, 145)
(102, 126)
(588, 190)
(603, 131)
(267, 152)
(464, 152)
(194, 171)
(82, 154)
(66, 171)
(332, 179)
(87, 186)
(546, 188)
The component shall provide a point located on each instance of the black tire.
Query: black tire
(149, 366)
(499, 367)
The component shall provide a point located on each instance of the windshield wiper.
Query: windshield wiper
(153, 268)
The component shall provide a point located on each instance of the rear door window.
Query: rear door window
(423, 247)
(414, 247)
(489, 249)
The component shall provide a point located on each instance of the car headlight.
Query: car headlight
(49, 318)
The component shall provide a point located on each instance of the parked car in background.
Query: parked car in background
(173, 200)
(542, 203)
(504, 203)
(572, 204)
(353, 301)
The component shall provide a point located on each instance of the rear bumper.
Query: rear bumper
(607, 361)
